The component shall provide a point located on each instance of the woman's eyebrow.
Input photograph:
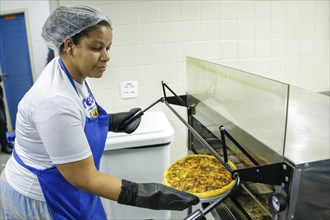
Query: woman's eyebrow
(101, 42)
(98, 42)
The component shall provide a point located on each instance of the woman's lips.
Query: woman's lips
(102, 68)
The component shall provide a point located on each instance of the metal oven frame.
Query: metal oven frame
(279, 175)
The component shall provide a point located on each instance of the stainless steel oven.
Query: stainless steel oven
(276, 134)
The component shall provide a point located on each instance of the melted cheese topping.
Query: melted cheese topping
(202, 175)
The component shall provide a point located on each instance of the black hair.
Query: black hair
(84, 33)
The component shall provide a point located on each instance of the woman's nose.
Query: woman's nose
(105, 56)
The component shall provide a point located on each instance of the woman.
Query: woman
(61, 132)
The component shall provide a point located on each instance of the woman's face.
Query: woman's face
(90, 56)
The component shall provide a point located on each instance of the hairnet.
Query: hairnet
(66, 21)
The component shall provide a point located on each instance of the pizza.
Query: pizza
(201, 175)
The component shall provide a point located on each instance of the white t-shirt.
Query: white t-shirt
(49, 128)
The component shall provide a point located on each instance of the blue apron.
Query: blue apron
(64, 200)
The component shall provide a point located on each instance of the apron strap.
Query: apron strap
(32, 169)
(71, 79)
(68, 74)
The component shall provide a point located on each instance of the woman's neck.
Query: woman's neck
(72, 70)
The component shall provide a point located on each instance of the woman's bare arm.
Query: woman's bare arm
(84, 175)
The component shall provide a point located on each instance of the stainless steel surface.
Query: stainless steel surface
(212, 199)
(273, 122)
(307, 135)
(308, 126)
(290, 121)
(310, 195)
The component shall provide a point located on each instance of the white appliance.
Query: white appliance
(141, 157)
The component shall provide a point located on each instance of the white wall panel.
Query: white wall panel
(284, 40)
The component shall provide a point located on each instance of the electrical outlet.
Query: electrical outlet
(129, 89)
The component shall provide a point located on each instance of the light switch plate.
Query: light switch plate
(129, 89)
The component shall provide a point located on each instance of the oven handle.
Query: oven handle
(200, 138)
(138, 115)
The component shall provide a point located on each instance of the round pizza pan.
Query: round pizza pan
(208, 199)
(211, 199)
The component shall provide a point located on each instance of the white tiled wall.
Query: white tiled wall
(283, 40)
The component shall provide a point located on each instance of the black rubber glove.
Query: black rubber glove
(121, 122)
(155, 196)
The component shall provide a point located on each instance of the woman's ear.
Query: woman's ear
(68, 46)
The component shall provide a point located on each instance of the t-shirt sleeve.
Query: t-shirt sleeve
(60, 124)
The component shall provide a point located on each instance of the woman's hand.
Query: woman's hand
(126, 122)
(155, 196)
